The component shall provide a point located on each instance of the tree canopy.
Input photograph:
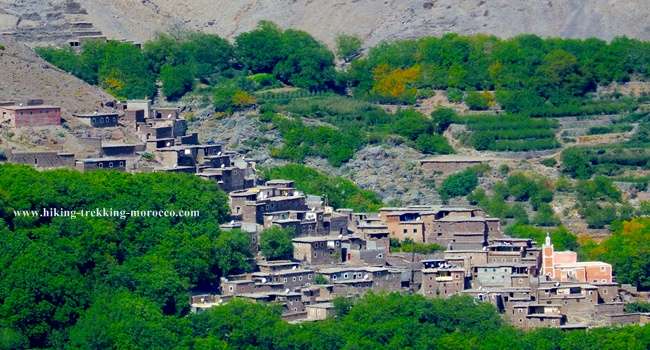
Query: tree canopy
(53, 268)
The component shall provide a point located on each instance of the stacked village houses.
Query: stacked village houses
(340, 253)
(163, 143)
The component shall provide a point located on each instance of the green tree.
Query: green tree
(234, 251)
(576, 163)
(275, 243)
(260, 49)
(459, 184)
(121, 320)
(348, 47)
(176, 80)
(442, 119)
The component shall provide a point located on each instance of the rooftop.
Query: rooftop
(455, 158)
(312, 239)
(26, 107)
(96, 114)
(106, 159)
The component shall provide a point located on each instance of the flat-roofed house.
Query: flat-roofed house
(88, 164)
(45, 159)
(19, 116)
(99, 119)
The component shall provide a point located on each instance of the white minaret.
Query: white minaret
(548, 258)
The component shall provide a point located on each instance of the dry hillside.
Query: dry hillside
(25, 75)
(373, 20)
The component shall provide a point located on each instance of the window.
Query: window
(110, 164)
(334, 277)
(285, 279)
(415, 230)
(405, 231)
(231, 288)
(602, 268)
(299, 278)
(308, 277)
(604, 280)
(121, 164)
(294, 278)
(101, 165)
(345, 275)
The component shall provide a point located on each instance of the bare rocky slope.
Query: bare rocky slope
(373, 20)
(24, 75)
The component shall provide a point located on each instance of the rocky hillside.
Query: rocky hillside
(370, 19)
(24, 75)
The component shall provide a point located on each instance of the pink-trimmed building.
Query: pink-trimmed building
(564, 267)
(30, 116)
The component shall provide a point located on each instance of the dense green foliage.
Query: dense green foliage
(301, 140)
(461, 183)
(510, 133)
(54, 268)
(353, 124)
(615, 128)
(584, 162)
(628, 250)
(291, 55)
(120, 68)
(637, 307)
(523, 189)
(530, 74)
(275, 243)
(600, 202)
(337, 191)
(373, 322)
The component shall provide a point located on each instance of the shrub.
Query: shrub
(477, 101)
(455, 95)
(545, 216)
(319, 279)
(442, 119)
(433, 144)
(549, 162)
(408, 246)
(459, 184)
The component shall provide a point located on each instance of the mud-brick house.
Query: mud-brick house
(19, 116)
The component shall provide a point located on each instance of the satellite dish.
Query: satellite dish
(287, 291)
(263, 279)
(294, 267)
(365, 277)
